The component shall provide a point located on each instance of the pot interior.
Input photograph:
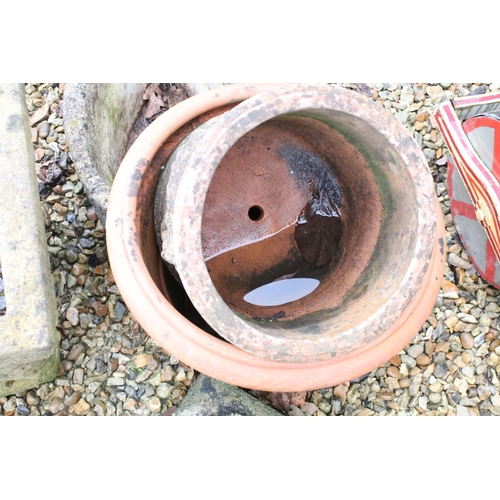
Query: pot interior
(278, 171)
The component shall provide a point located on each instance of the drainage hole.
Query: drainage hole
(255, 213)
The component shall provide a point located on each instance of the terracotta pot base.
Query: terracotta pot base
(137, 268)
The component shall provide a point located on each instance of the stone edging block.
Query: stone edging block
(29, 340)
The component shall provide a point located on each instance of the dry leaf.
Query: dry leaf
(283, 400)
(153, 95)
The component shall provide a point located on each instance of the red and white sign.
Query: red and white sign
(471, 131)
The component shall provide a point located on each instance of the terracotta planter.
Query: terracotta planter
(373, 296)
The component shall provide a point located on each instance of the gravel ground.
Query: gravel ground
(109, 366)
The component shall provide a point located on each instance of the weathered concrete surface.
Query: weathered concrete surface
(210, 397)
(29, 340)
(98, 118)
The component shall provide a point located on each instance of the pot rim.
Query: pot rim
(188, 200)
(197, 348)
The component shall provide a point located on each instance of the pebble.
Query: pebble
(408, 360)
(78, 269)
(181, 376)
(78, 375)
(395, 360)
(100, 252)
(115, 382)
(120, 310)
(52, 137)
(163, 390)
(415, 350)
(465, 401)
(153, 404)
(73, 399)
(9, 406)
(467, 340)
(75, 352)
(467, 318)
(56, 406)
(457, 261)
(451, 321)
(325, 407)
(435, 397)
(435, 92)
(81, 407)
(32, 399)
(39, 115)
(43, 130)
(63, 160)
(100, 309)
(23, 410)
(72, 315)
(421, 117)
(86, 242)
(70, 255)
(423, 360)
(167, 374)
(65, 365)
(492, 307)
(393, 371)
(479, 339)
(442, 347)
(52, 97)
(68, 187)
(440, 370)
(309, 408)
(436, 387)
(141, 361)
(340, 391)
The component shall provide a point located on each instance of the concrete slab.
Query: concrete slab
(29, 340)
(210, 397)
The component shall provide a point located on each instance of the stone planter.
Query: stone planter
(98, 120)
(372, 298)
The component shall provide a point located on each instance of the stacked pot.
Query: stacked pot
(247, 188)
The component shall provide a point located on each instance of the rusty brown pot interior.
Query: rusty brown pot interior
(252, 206)
(237, 232)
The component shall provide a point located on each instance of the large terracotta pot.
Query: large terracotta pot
(370, 302)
